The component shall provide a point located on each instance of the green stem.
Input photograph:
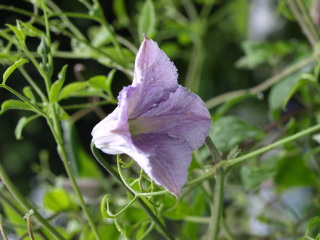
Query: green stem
(21, 200)
(49, 55)
(211, 103)
(33, 84)
(213, 150)
(113, 37)
(213, 229)
(305, 132)
(116, 175)
(193, 78)
(217, 207)
(2, 230)
(35, 107)
(234, 161)
(57, 132)
(308, 20)
(301, 21)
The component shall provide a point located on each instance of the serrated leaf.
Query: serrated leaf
(20, 125)
(57, 85)
(147, 20)
(72, 88)
(15, 104)
(13, 67)
(228, 132)
(58, 200)
(314, 221)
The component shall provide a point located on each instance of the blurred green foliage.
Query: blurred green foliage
(64, 62)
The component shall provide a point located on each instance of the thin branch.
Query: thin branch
(213, 102)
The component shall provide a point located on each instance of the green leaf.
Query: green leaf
(280, 91)
(120, 11)
(13, 67)
(63, 115)
(31, 30)
(298, 85)
(27, 91)
(314, 221)
(21, 124)
(99, 82)
(257, 53)
(14, 217)
(71, 89)
(21, 37)
(102, 82)
(82, 164)
(57, 85)
(15, 104)
(293, 172)
(181, 210)
(147, 20)
(252, 177)
(228, 132)
(99, 36)
(58, 200)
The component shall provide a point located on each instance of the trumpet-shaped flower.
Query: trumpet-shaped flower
(157, 122)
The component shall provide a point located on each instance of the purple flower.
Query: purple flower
(157, 122)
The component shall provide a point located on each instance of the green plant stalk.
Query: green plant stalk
(57, 133)
(304, 25)
(2, 230)
(308, 20)
(65, 19)
(120, 66)
(36, 108)
(213, 102)
(33, 84)
(114, 41)
(145, 207)
(213, 229)
(23, 202)
(231, 162)
(50, 58)
(217, 207)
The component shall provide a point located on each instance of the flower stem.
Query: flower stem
(213, 229)
(217, 207)
(23, 202)
(3, 234)
(116, 175)
(56, 130)
(301, 21)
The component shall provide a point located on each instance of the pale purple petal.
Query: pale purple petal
(169, 159)
(157, 122)
(182, 115)
(155, 77)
